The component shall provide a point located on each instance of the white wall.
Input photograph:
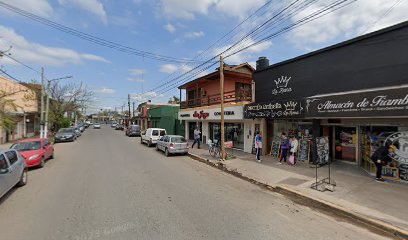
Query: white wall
(205, 131)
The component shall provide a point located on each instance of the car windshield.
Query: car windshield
(65, 130)
(162, 133)
(178, 140)
(135, 127)
(27, 146)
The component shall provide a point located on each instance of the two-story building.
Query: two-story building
(201, 106)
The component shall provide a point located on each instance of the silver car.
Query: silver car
(13, 170)
(172, 144)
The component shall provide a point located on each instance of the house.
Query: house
(22, 108)
(201, 107)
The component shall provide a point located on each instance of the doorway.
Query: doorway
(191, 127)
(345, 143)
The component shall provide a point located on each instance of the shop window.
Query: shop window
(345, 143)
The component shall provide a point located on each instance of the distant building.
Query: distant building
(166, 116)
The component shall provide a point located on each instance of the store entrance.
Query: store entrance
(233, 132)
(345, 141)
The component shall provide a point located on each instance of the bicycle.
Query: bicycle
(214, 150)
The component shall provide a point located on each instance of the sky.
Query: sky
(184, 30)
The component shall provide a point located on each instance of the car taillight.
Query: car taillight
(171, 145)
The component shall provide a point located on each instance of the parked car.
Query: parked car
(13, 170)
(97, 126)
(172, 144)
(133, 130)
(77, 131)
(119, 127)
(113, 125)
(152, 135)
(35, 151)
(65, 135)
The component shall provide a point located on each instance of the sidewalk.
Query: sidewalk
(356, 191)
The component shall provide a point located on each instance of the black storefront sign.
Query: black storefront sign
(274, 110)
(381, 103)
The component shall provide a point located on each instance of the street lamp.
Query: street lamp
(48, 102)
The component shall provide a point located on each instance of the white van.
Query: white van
(152, 135)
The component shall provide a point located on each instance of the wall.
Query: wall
(367, 63)
(24, 98)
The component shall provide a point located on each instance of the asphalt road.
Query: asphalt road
(108, 186)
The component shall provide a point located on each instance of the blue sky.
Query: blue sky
(175, 28)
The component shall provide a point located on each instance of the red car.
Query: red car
(35, 151)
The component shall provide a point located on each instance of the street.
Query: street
(108, 186)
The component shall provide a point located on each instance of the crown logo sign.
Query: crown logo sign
(290, 106)
(282, 82)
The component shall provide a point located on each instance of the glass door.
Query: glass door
(345, 139)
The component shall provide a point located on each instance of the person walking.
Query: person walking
(284, 148)
(258, 146)
(380, 158)
(294, 143)
(197, 138)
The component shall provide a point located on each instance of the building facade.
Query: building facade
(23, 110)
(166, 116)
(201, 107)
(354, 94)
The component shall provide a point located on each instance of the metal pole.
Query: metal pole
(222, 107)
(42, 105)
(47, 108)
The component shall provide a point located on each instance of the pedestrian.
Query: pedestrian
(380, 158)
(284, 148)
(258, 146)
(197, 138)
(294, 143)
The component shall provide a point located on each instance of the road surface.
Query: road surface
(108, 186)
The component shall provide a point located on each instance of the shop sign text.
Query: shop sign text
(226, 113)
(282, 109)
(200, 115)
(389, 102)
(282, 85)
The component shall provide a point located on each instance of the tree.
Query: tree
(8, 105)
(174, 100)
(66, 100)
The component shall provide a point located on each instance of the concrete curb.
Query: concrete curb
(375, 225)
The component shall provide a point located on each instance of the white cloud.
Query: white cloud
(168, 68)
(93, 6)
(194, 34)
(38, 7)
(26, 51)
(145, 96)
(170, 28)
(348, 22)
(187, 9)
(136, 80)
(105, 90)
(137, 71)
(185, 68)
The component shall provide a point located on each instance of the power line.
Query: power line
(93, 39)
(382, 16)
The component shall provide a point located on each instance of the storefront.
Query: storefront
(354, 94)
(208, 120)
(358, 122)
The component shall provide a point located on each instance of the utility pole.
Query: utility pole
(222, 107)
(42, 104)
(47, 107)
(130, 116)
(133, 112)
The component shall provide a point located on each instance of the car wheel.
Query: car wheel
(23, 178)
(166, 152)
(42, 163)
(52, 155)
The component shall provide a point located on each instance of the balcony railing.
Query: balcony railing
(232, 96)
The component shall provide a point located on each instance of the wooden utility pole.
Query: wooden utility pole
(222, 107)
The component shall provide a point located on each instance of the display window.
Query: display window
(233, 132)
(345, 143)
